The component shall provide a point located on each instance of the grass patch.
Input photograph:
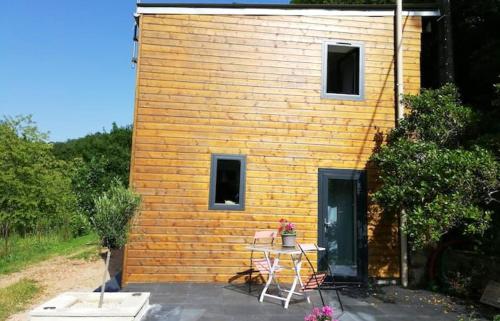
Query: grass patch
(90, 254)
(16, 297)
(33, 249)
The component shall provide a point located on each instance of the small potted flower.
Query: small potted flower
(323, 314)
(288, 233)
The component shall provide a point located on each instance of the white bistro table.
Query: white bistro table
(272, 255)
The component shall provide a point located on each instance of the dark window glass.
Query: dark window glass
(343, 70)
(227, 182)
(227, 188)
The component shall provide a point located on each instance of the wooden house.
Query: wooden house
(246, 114)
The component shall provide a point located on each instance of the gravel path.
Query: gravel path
(57, 275)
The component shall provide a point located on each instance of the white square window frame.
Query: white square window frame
(324, 70)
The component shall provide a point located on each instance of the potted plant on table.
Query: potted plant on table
(288, 233)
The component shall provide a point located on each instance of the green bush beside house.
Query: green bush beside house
(433, 169)
(427, 172)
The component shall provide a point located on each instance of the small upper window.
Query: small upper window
(343, 64)
(227, 182)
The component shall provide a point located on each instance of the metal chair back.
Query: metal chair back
(318, 279)
(315, 280)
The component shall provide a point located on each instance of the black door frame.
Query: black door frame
(361, 214)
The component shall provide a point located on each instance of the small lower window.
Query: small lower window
(343, 70)
(227, 182)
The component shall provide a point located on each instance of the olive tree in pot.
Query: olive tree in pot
(114, 210)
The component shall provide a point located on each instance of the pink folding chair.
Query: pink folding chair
(261, 265)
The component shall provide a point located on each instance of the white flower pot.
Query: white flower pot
(288, 240)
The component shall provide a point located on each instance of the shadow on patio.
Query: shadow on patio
(219, 302)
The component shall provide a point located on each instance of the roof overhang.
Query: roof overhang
(284, 10)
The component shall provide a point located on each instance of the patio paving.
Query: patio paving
(218, 302)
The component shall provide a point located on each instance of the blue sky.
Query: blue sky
(67, 62)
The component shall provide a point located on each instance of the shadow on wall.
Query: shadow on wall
(383, 239)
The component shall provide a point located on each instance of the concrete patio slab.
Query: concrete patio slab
(83, 306)
(207, 302)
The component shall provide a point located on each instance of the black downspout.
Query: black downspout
(447, 68)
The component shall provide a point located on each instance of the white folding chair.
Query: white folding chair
(261, 265)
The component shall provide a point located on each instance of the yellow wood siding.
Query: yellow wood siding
(251, 85)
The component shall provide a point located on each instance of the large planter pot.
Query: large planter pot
(288, 240)
(115, 262)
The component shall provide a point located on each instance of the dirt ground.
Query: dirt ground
(57, 275)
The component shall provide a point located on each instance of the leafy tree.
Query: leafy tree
(426, 172)
(437, 116)
(35, 192)
(98, 159)
(490, 135)
(110, 151)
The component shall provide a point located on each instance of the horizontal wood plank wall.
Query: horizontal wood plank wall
(251, 85)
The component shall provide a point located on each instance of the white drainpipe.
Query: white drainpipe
(400, 115)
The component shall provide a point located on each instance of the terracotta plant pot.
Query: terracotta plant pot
(288, 240)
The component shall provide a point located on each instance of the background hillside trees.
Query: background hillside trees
(98, 159)
(50, 188)
(35, 190)
(110, 149)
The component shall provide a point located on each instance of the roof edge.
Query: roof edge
(283, 10)
(363, 7)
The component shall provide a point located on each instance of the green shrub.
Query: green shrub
(80, 224)
(114, 210)
(427, 174)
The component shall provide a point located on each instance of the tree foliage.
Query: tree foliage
(476, 51)
(114, 210)
(98, 159)
(110, 151)
(437, 116)
(35, 190)
(89, 180)
(427, 173)
(46, 188)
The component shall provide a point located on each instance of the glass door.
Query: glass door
(342, 223)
